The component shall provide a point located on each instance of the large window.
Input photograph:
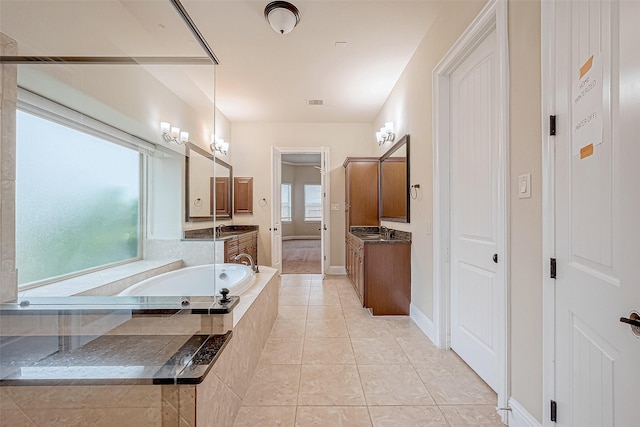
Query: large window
(77, 200)
(312, 202)
(285, 199)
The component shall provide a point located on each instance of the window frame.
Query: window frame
(282, 218)
(314, 219)
(43, 108)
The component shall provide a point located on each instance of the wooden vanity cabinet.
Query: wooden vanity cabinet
(361, 191)
(246, 243)
(380, 274)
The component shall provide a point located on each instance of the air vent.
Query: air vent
(312, 102)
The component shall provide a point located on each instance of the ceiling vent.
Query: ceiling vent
(314, 102)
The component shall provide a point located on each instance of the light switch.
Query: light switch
(524, 186)
(335, 206)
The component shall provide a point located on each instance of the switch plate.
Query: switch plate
(524, 186)
(335, 206)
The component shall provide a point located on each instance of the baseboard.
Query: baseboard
(338, 270)
(424, 323)
(300, 238)
(520, 417)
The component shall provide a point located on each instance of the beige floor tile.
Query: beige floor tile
(292, 312)
(407, 416)
(322, 299)
(288, 328)
(273, 385)
(403, 326)
(334, 416)
(266, 416)
(456, 386)
(282, 351)
(378, 351)
(291, 291)
(330, 385)
(421, 351)
(293, 299)
(471, 415)
(329, 328)
(362, 327)
(393, 385)
(327, 351)
(325, 312)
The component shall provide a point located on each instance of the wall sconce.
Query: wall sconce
(172, 133)
(219, 145)
(282, 16)
(385, 133)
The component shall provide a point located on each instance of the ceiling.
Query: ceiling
(267, 77)
(349, 54)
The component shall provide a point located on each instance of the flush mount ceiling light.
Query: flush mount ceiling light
(282, 16)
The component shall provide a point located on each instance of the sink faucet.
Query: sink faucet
(386, 233)
(254, 267)
(219, 230)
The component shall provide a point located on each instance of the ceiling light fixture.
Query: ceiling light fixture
(385, 133)
(282, 16)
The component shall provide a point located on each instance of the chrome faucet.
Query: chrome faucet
(219, 230)
(254, 266)
(386, 233)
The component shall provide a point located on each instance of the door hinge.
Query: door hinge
(325, 257)
(552, 125)
(554, 411)
(552, 268)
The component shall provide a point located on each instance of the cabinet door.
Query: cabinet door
(221, 196)
(242, 195)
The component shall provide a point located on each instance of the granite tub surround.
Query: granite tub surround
(213, 401)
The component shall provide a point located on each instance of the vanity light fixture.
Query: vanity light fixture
(219, 145)
(172, 133)
(282, 16)
(386, 133)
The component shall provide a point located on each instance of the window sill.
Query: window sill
(110, 281)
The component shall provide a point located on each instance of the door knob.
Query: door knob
(495, 258)
(633, 321)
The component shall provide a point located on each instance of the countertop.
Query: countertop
(228, 232)
(375, 235)
(108, 359)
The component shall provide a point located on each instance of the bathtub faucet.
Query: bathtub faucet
(254, 266)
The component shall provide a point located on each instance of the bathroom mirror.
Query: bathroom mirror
(203, 181)
(394, 182)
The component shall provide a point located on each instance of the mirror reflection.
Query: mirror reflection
(208, 188)
(394, 182)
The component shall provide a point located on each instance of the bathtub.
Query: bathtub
(196, 281)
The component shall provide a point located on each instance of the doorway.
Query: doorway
(471, 199)
(300, 186)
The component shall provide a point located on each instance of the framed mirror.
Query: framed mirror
(394, 182)
(203, 181)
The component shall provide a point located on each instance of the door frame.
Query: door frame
(548, 65)
(492, 17)
(325, 235)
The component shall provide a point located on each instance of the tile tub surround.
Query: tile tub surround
(214, 402)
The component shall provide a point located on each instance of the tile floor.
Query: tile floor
(328, 362)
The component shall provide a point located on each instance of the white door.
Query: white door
(324, 226)
(476, 218)
(597, 212)
(276, 209)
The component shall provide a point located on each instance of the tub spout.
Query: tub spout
(254, 266)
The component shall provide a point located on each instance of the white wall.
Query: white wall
(251, 145)
(409, 106)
